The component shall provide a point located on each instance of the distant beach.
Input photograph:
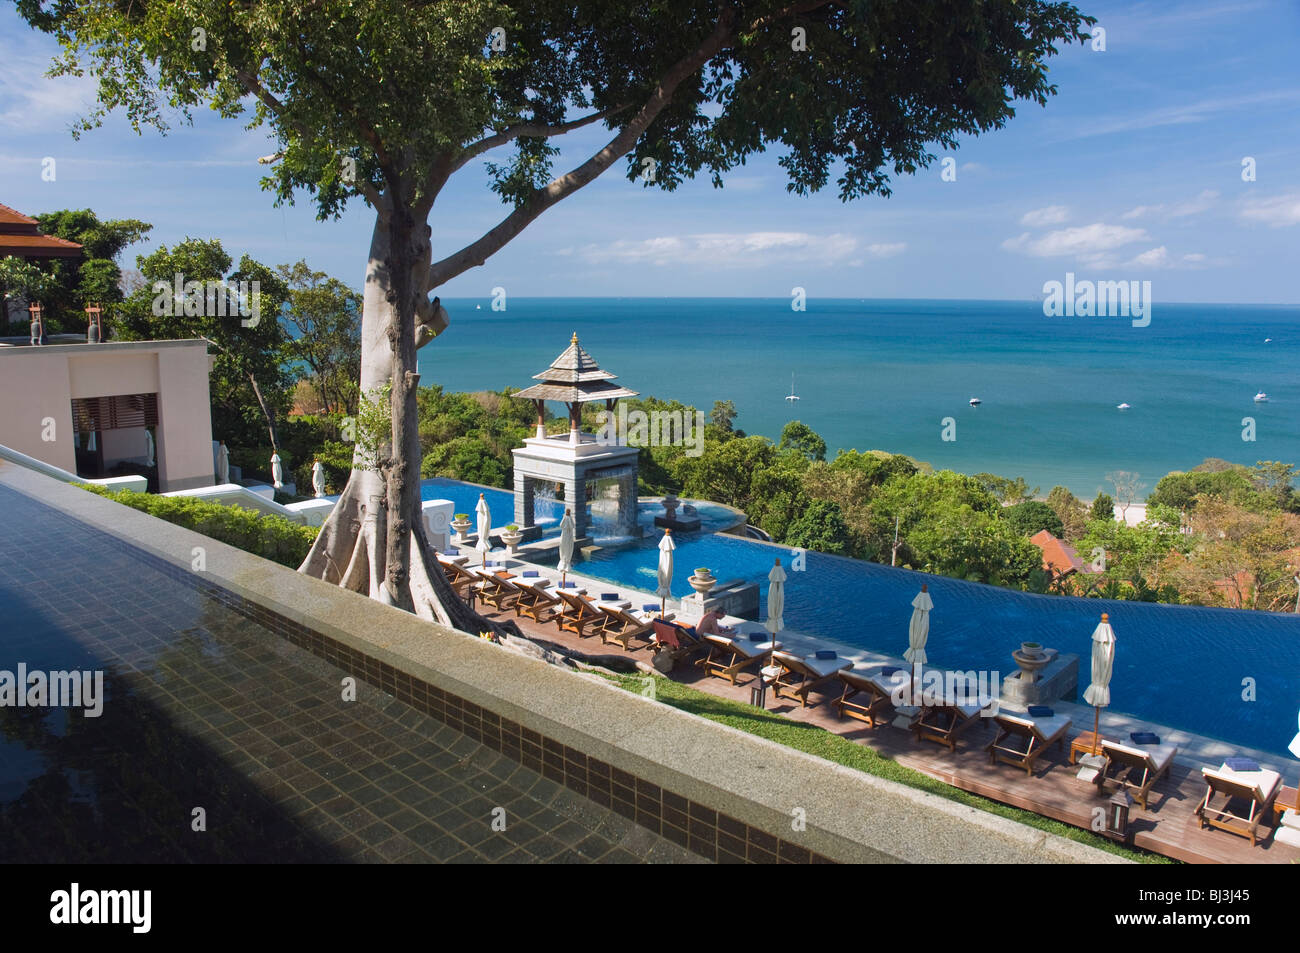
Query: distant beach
(884, 374)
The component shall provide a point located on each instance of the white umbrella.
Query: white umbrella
(318, 479)
(918, 631)
(566, 543)
(775, 600)
(277, 471)
(1103, 663)
(223, 463)
(666, 547)
(484, 527)
(151, 448)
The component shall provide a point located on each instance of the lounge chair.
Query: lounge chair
(728, 657)
(622, 627)
(1035, 735)
(1137, 767)
(462, 580)
(1248, 800)
(677, 640)
(578, 615)
(799, 676)
(535, 602)
(946, 718)
(495, 591)
(879, 689)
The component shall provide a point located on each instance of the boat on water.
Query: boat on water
(793, 396)
(1261, 398)
(1123, 406)
(975, 401)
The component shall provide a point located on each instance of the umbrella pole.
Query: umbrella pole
(1096, 724)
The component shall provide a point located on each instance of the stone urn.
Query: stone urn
(1032, 658)
(702, 582)
(670, 506)
(511, 537)
(461, 525)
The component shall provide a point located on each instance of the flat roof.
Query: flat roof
(106, 347)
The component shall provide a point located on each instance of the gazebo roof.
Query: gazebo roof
(21, 236)
(575, 378)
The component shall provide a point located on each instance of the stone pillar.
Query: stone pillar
(523, 500)
(575, 498)
(627, 504)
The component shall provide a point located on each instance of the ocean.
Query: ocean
(898, 375)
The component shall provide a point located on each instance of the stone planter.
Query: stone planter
(1031, 658)
(461, 527)
(670, 506)
(702, 582)
(511, 539)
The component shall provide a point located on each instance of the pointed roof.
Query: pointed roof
(21, 236)
(575, 377)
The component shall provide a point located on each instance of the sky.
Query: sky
(1134, 171)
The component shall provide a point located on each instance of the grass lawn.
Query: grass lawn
(826, 744)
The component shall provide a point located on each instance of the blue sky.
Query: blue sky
(1133, 171)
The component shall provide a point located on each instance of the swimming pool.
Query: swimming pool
(1182, 666)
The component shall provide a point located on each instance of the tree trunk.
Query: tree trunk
(374, 540)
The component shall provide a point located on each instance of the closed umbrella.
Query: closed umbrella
(566, 544)
(1103, 664)
(484, 527)
(277, 471)
(223, 463)
(318, 479)
(666, 547)
(151, 449)
(775, 606)
(918, 631)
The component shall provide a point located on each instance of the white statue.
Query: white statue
(223, 463)
(277, 472)
(318, 479)
(151, 449)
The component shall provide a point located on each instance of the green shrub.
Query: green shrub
(271, 537)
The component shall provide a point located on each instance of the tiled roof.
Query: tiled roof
(1058, 555)
(21, 236)
(575, 377)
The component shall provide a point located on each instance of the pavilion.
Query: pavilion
(20, 237)
(575, 459)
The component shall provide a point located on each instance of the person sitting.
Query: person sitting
(710, 625)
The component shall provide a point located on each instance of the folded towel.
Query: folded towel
(609, 597)
(891, 670)
(568, 585)
(529, 573)
(1241, 764)
(1040, 711)
(825, 654)
(649, 607)
(686, 628)
(759, 637)
(451, 552)
(1144, 737)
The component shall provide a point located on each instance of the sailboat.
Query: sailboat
(793, 396)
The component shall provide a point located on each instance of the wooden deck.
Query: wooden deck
(1169, 828)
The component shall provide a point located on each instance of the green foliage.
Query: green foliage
(1134, 553)
(323, 318)
(1008, 492)
(470, 436)
(797, 435)
(1103, 508)
(20, 278)
(1070, 510)
(723, 416)
(819, 527)
(1031, 517)
(271, 537)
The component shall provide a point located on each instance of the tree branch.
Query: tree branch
(526, 130)
(492, 241)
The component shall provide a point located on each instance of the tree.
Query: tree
(819, 527)
(390, 99)
(723, 416)
(1103, 508)
(799, 436)
(1009, 492)
(95, 277)
(324, 320)
(1070, 510)
(1276, 480)
(1128, 486)
(249, 386)
(1241, 558)
(1033, 516)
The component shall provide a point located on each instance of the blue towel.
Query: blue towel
(1144, 737)
(1241, 764)
(759, 637)
(825, 654)
(1040, 711)
(451, 552)
(528, 573)
(891, 670)
(649, 607)
(609, 597)
(689, 629)
(568, 585)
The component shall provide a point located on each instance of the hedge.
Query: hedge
(271, 537)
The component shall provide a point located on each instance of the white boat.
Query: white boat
(793, 396)
(1268, 340)
(1261, 398)
(1123, 407)
(975, 401)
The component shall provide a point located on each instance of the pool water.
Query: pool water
(1223, 673)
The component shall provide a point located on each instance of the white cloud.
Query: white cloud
(1277, 211)
(1042, 217)
(1087, 242)
(1182, 114)
(1192, 206)
(31, 101)
(1160, 258)
(738, 249)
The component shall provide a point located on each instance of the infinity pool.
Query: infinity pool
(1182, 666)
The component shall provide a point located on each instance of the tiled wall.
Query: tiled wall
(700, 829)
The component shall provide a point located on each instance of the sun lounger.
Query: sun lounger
(621, 626)
(495, 591)
(1137, 767)
(462, 580)
(1021, 739)
(1248, 800)
(799, 676)
(676, 640)
(879, 690)
(578, 615)
(728, 657)
(535, 602)
(946, 718)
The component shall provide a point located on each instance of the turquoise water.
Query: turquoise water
(1180, 666)
(882, 374)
